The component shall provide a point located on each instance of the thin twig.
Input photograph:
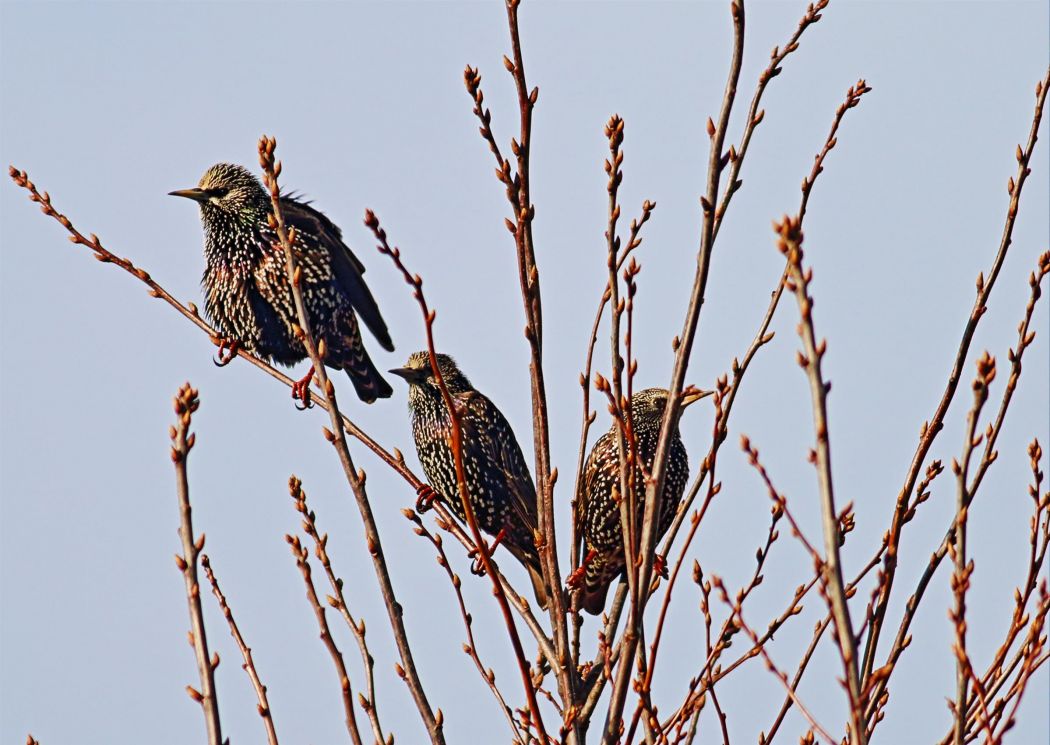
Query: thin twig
(933, 426)
(337, 600)
(263, 707)
(910, 609)
(470, 647)
(182, 441)
(301, 554)
(655, 481)
(961, 577)
(790, 244)
(416, 282)
(763, 336)
(770, 665)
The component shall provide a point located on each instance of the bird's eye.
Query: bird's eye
(219, 192)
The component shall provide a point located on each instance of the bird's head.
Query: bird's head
(228, 191)
(651, 402)
(420, 375)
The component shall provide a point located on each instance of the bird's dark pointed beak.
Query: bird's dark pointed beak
(410, 374)
(197, 195)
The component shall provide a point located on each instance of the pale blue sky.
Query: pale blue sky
(111, 105)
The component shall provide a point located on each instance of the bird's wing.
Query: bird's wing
(347, 268)
(590, 470)
(496, 445)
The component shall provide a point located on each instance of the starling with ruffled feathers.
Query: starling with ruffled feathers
(247, 293)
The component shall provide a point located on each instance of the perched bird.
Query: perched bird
(597, 509)
(501, 492)
(247, 293)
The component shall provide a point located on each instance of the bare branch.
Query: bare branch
(337, 600)
(337, 437)
(263, 707)
(182, 441)
(790, 244)
(933, 426)
(416, 282)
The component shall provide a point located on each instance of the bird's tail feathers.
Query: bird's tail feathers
(593, 598)
(538, 587)
(367, 380)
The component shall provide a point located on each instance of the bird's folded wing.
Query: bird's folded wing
(347, 268)
(497, 446)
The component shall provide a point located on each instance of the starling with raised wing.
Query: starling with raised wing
(498, 481)
(597, 511)
(247, 293)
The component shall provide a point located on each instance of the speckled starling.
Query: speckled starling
(598, 512)
(500, 486)
(246, 288)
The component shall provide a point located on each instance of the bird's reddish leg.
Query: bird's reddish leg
(301, 389)
(425, 496)
(477, 566)
(575, 580)
(227, 351)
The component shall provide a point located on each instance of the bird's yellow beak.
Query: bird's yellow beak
(693, 396)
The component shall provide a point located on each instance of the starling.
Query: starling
(500, 486)
(597, 509)
(246, 288)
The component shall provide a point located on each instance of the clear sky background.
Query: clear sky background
(111, 105)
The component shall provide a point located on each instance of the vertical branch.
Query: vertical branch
(790, 244)
(518, 190)
(182, 441)
(263, 706)
(634, 240)
(628, 496)
(337, 436)
(963, 570)
(529, 278)
(416, 282)
(684, 344)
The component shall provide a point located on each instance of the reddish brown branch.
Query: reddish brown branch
(737, 613)
(790, 244)
(182, 441)
(762, 337)
(337, 437)
(989, 456)
(518, 190)
(302, 561)
(960, 583)
(471, 647)
(337, 600)
(933, 426)
(416, 282)
(263, 706)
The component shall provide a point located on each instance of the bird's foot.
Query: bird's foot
(301, 390)
(477, 566)
(425, 496)
(575, 580)
(659, 566)
(227, 351)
